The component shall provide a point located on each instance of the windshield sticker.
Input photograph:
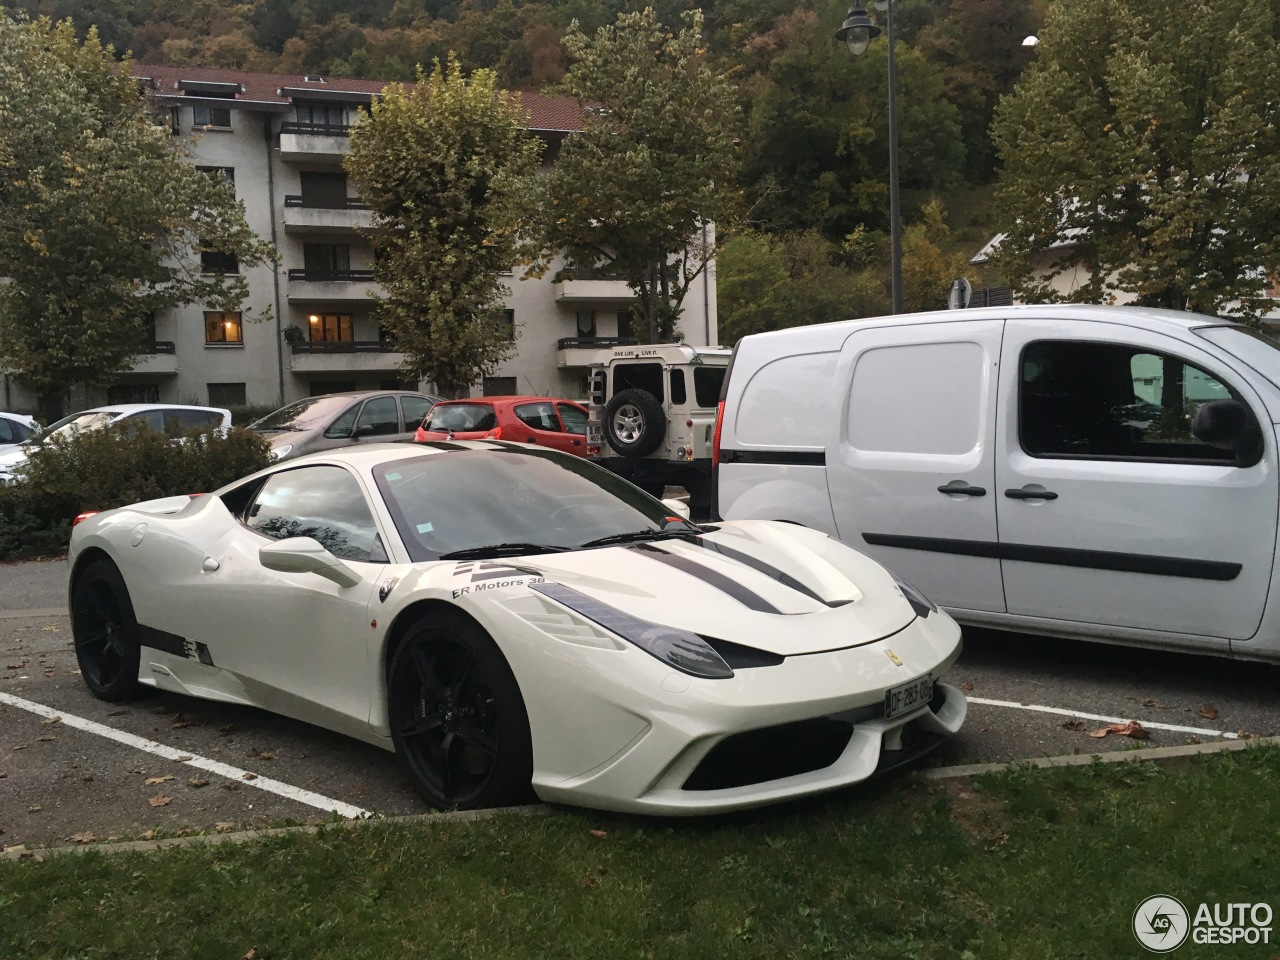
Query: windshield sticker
(425, 527)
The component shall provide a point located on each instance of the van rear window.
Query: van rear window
(706, 386)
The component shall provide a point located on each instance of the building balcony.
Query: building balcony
(156, 359)
(326, 286)
(314, 142)
(347, 219)
(341, 356)
(580, 351)
(593, 290)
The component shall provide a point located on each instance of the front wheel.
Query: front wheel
(105, 632)
(457, 717)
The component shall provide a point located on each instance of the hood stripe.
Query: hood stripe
(767, 569)
(718, 580)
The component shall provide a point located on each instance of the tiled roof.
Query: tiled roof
(545, 113)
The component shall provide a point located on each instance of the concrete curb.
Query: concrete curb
(245, 836)
(1086, 759)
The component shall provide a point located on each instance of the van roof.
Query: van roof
(666, 352)
(828, 336)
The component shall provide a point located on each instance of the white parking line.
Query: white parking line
(280, 789)
(1037, 708)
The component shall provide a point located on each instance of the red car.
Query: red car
(547, 421)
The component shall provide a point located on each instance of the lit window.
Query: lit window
(333, 327)
(202, 116)
(223, 327)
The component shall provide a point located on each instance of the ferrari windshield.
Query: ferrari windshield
(302, 415)
(465, 500)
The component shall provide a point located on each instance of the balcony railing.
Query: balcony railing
(331, 276)
(316, 129)
(593, 343)
(351, 203)
(344, 346)
(158, 346)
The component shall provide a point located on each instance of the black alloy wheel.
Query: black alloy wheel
(457, 717)
(105, 633)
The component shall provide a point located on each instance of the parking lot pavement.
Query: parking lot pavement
(60, 779)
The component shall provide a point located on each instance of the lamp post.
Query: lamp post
(858, 31)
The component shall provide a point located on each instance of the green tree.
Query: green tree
(1145, 144)
(103, 214)
(440, 164)
(653, 163)
(927, 269)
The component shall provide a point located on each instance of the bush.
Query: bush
(101, 469)
(245, 414)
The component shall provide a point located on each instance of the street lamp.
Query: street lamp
(858, 31)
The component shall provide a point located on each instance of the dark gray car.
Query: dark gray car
(341, 419)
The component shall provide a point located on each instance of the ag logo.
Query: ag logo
(1161, 923)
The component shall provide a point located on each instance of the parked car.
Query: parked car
(340, 419)
(528, 620)
(653, 409)
(547, 421)
(14, 429)
(174, 419)
(1098, 472)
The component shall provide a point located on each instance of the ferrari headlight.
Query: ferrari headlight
(282, 451)
(921, 604)
(685, 651)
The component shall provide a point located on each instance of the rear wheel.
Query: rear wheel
(457, 717)
(106, 633)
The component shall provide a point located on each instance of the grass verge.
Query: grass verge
(1027, 863)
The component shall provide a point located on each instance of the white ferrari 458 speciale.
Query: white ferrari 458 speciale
(507, 617)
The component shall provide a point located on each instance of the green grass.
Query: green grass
(1026, 864)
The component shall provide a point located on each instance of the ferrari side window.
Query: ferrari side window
(321, 502)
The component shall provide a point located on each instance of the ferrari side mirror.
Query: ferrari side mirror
(306, 555)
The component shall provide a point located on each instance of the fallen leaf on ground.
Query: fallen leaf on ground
(46, 739)
(183, 758)
(180, 724)
(152, 781)
(966, 686)
(1130, 729)
(197, 782)
(51, 628)
(117, 713)
(253, 952)
(147, 835)
(1193, 740)
(160, 801)
(34, 808)
(222, 826)
(15, 848)
(600, 834)
(1209, 711)
(51, 721)
(86, 837)
(266, 755)
(1073, 725)
(248, 776)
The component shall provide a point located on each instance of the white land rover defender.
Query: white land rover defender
(653, 412)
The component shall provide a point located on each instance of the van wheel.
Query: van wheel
(634, 423)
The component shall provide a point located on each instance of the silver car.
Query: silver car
(341, 419)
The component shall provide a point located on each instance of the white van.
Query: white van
(1108, 473)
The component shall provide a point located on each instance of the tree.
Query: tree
(1144, 142)
(654, 162)
(103, 214)
(440, 165)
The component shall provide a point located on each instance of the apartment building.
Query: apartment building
(280, 140)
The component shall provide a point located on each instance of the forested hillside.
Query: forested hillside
(814, 148)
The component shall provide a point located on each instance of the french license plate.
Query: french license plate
(908, 696)
(595, 433)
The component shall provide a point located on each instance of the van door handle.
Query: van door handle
(1032, 491)
(962, 488)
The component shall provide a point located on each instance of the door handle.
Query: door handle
(962, 488)
(1032, 491)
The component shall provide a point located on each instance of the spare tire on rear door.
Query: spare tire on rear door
(634, 423)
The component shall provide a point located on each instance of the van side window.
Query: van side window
(677, 387)
(1112, 401)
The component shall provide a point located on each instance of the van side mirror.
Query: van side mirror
(1228, 425)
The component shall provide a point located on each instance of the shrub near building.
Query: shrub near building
(101, 469)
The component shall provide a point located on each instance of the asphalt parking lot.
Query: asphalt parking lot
(75, 769)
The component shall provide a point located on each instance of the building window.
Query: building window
(226, 173)
(499, 386)
(223, 327)
(324, 190)
(509, 326)
(217, 261)
(626, 324)
(226, 395)
(321, 114)
(586, 323)
(333, 327)
(202, 116)
(324, 261)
